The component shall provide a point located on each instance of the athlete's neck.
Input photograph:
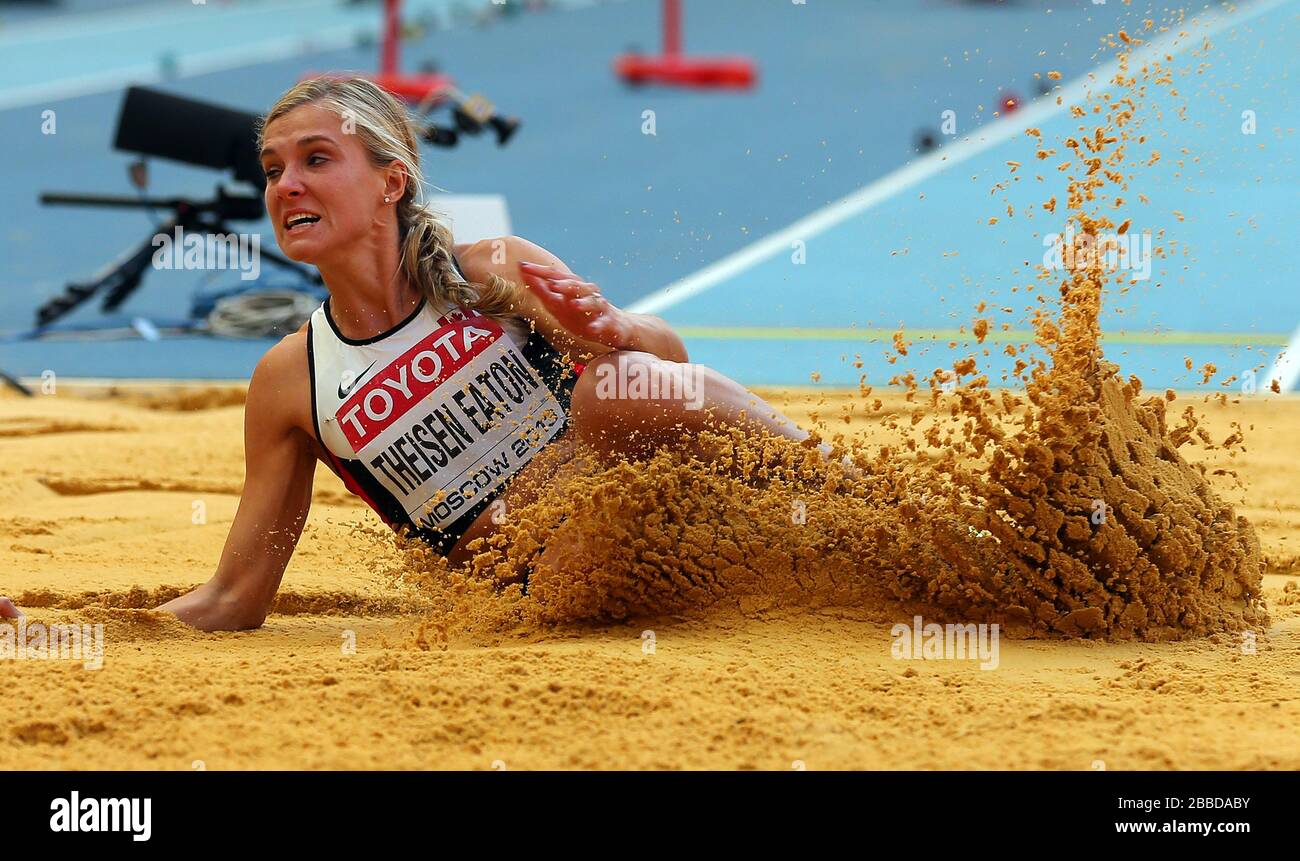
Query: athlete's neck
(369, 294)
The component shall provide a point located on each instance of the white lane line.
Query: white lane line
(1286, 368)
(911, 174)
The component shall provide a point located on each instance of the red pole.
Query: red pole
(672, 27)
(392, 36)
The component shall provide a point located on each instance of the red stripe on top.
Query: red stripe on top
(426, 366)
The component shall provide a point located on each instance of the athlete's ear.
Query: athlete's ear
(396, 178)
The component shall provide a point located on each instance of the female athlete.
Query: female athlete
(435, 372)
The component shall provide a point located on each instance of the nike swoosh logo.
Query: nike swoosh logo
(343, 393)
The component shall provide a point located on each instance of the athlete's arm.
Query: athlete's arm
(569, 311)
(280, 463)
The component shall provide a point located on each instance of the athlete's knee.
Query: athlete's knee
(626, 400)
(626, 378)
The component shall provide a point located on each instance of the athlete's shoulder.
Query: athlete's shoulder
(501, 255)
(476, 258)
(291, 347)
(279, 394)
(285, 363)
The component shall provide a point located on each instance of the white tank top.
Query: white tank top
(429, 421)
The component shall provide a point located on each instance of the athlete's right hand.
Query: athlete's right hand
(8, 610)
(578, 306)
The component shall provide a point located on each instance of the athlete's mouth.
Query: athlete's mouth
(295, 222)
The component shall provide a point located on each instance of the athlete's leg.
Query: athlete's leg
(656, 403)
(559, 457)
(630, 403)
(618, 411)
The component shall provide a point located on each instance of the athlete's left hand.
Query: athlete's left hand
(577, 305)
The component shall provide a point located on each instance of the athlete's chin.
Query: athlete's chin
(301, 250)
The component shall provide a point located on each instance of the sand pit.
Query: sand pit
(99, 515)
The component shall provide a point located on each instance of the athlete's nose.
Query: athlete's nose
(288, 186)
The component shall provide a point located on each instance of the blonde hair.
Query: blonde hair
(387, 131)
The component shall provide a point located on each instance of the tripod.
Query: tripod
(13, 382)
(121, 277)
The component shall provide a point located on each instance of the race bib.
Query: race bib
(451, 419)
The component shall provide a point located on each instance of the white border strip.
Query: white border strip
(909, 175)
(1286, 368)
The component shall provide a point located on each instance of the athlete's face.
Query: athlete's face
(323, 195)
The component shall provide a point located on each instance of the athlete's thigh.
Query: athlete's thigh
(524, 488)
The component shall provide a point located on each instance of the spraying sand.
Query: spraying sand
(1067, 511)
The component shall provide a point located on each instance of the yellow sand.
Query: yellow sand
(98, 498)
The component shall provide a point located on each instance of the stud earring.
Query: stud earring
(385, 198)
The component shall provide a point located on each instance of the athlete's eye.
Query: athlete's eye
(273, 172)
(319, 156)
